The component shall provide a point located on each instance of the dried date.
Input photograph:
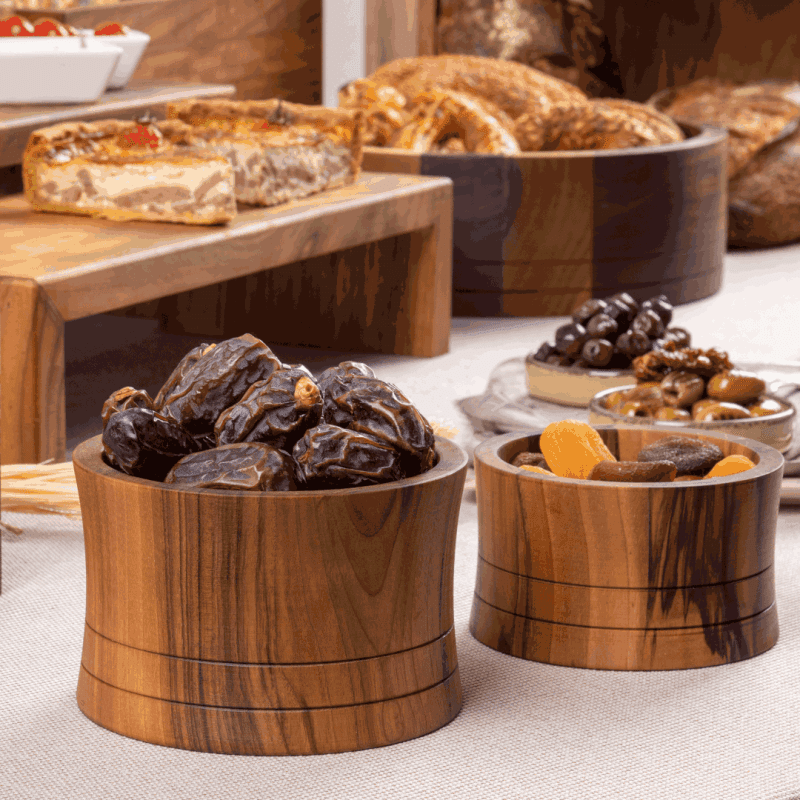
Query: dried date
(178, 374)
(331, 457)
(380, 409)
(277, 411)
(141, 442)
(252, 466)
(216, 380)
(122, 400)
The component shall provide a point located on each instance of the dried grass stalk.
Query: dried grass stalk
(39, 489)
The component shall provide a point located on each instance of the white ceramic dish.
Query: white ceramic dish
(55, 69)
(571, 386)
(133, 45)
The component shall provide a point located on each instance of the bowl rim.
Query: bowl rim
(452, 459)
(789, 411)
(581, 372)
(699, 135)
(770, 460)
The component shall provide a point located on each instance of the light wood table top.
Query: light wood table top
(17, 122)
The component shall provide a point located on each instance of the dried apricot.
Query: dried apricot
(690, 456)
(573, 448)
(731, 465)
(537, 470)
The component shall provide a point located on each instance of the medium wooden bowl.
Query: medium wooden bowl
(776, 430)
(274, 623)
(537, 234)
(627, 576)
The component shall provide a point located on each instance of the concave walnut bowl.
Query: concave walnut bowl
(776, 430)
(626, 576)
(269, 623)
(539, 233)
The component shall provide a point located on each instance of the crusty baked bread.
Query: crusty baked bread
(279, 151)
(515, 88)
(764, 198)
(127, 170)
(597, 125)
(753, 114)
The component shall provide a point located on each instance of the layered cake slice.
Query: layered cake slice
(128, 170)
(279, 151)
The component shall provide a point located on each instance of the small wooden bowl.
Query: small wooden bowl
(274, 623)
(776, 430)
(626, 576)
(572, 386)
(536, 234)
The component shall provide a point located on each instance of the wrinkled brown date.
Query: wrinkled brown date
(216, 380)
(331, 457)
(372, 406)
(178, 374)
(143, 443)
(122, 400)
(243, 466)
(278, 410)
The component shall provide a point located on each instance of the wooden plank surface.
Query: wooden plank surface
(89, 266)
(18, 122)
(397, 29)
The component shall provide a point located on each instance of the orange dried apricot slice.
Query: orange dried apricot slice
(572, 448)
(730, 465)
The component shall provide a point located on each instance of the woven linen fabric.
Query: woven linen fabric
(526, 730)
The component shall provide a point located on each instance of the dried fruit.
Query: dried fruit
(764, 406)
(633, 471)
(573, 448)
(681, 389)
(276, 411)
(216, 380)
(636, 408)
(528, 459)
(143, 443)
(242, 466)
(690, 456)
(123, 399)
(377, 408)
(591, 308)
(331, 457)
(537, 470)
(670, 414)
(730, 465)
(736, 386)
(718, 410)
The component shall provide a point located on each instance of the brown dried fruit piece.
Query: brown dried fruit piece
(528, 459)
(735, 386)
(719, 410)
(690, 456)
(123, 399)
(634, 471)
(252, 466)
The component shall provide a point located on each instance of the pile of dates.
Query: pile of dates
(572, 449)
(232, 416)
(679, 383)
(609, 334)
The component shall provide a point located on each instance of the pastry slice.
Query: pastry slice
(279, 151)
(127, 170)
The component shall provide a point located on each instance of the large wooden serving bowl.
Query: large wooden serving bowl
(274, 623)
(537, 234)
(628, 576)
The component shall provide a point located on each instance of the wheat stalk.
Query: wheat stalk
(39, 489)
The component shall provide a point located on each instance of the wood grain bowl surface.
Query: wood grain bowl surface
(536, 234)
(275, 623)
(626, 576)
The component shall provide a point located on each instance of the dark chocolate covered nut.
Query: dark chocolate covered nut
(584, 312)
(633, 471)
(690, 456)
(735, 386)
